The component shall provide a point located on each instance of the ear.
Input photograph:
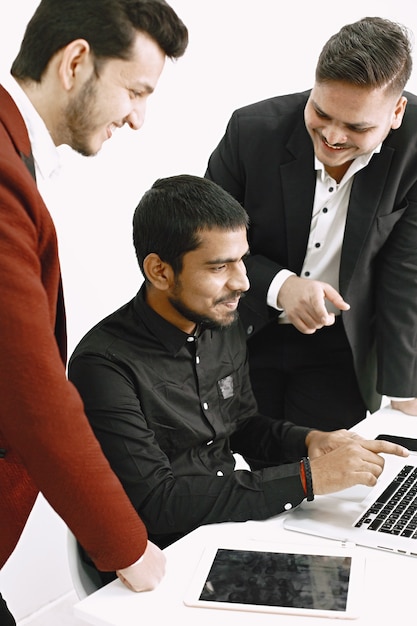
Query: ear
(399, 113)
(75, 61)
(159, 273)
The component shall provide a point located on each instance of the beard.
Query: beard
(77, 125)
(206, 321)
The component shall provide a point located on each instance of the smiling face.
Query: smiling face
(345, 121)
(115, 97)
(212, 280)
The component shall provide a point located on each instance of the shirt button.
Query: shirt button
(219, 473)
(209, 442)
(249, 330)
(317, 245)
(190, 339)
(197, 359)
(325, 210)
(288, 506)
(307, 273)
(331, 189)
(205, 406)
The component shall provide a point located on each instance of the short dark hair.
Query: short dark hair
(109, 26)
(373, 52)
(174, 211)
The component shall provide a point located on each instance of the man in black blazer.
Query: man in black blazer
(329, 179)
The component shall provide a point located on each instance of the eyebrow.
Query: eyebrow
(356, 126)
(142, 87)
(221, 261)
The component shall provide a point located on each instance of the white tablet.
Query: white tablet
(291, 579)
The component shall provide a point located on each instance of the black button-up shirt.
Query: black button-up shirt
(170, 409)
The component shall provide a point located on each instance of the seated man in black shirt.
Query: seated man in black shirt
(166, 387)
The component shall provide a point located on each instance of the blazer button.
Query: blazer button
(249, 329)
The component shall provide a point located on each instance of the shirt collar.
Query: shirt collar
(359, 163)
(45, 153)
(172, 337)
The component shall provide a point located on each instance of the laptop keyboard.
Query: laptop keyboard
(395, 510)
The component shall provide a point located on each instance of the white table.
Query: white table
(389, 587)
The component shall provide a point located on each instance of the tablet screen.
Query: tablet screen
(307, 581)
(275, 581)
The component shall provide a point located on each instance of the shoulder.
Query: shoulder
(286, 105)
(12, 122)
(260, 121)
(410, 115)
(109, 332)
(404, 138)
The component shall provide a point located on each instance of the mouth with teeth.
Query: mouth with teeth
(333, 147)
(112, 129)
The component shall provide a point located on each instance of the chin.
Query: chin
(93, 150)
(86, 151)
(229, 321)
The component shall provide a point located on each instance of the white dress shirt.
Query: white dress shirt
(45, 153)
(322, 260)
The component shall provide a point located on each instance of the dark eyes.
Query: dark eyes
(322, 115)
(353, 129)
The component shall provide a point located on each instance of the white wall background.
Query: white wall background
(240, 51)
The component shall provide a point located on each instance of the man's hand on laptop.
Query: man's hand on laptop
(147, 572)
(320, 442)
(342, 459)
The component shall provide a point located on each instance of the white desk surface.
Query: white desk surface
(389, 587)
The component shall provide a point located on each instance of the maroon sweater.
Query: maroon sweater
(46, 443)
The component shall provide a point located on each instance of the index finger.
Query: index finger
(379, 446)
(335, 298)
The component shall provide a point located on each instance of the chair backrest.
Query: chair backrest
(84, 578)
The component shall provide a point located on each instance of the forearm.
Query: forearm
(271, 441)
(190, 502)
(43, 424)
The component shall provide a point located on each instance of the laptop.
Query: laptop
(382, 517)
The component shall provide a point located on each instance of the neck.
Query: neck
(158, 301)
(46, 101)
(338, 171)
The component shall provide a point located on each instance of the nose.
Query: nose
(136, 117)
(334, 135)
(239, 280)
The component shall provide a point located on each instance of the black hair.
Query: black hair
(373, 52)
(109, 26)
(174, 211)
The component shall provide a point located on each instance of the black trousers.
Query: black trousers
(306, 379)
(6, 618)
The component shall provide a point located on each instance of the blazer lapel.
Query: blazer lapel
(365, 198)
(298, 181)
(13, 122)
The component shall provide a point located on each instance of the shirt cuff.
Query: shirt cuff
(140, 559)
(275, 286)
(400, 399)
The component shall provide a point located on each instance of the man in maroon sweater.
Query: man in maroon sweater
(80, 73)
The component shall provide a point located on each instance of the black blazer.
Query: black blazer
(266, 161)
